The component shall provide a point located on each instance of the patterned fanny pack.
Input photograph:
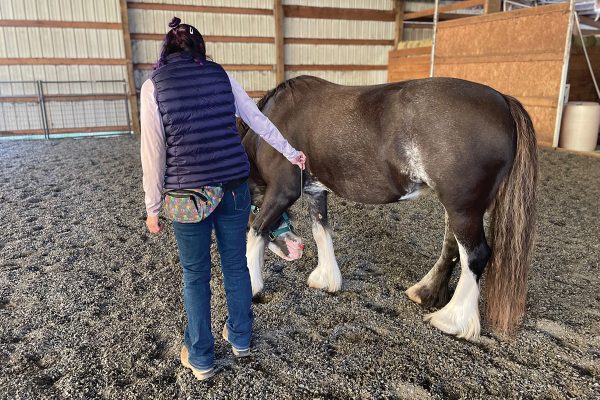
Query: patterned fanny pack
(191, 205)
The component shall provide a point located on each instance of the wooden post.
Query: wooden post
(563, 79)
(492, 6)
(279, 41)
(135, 115)
(435, 25)
(399, 11)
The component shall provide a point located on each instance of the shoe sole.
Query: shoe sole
(236, 352)
(198, 374)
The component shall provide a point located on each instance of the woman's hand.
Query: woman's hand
(153, 225)
(300, 160)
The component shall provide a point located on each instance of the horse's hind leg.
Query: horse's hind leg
(327, 274)
(432, 290)
(460, 316)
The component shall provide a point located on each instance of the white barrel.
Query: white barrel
(579, 127)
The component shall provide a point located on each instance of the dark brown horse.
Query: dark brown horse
(474, 147)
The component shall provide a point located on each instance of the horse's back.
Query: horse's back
(441, 112)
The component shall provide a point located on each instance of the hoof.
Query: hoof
(413, 293)
(449, 321)
(427, 297)
(318, 279)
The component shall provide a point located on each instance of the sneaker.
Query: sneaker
(200, 374)
(236, 352)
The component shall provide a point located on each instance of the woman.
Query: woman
(190, 141)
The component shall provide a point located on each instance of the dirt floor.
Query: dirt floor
(91, 305)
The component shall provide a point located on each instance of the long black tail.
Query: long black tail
(513, 230)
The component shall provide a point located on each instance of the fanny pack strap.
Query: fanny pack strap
(187, 194)
(184, 193)
(233, 184)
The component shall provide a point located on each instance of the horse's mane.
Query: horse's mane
(243, 128)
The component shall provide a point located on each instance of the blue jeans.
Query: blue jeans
(229, 220)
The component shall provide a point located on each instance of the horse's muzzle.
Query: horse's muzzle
(294, 249)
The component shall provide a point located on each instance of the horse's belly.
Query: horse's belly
(369, 191)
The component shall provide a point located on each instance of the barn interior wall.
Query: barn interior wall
(61, 40)
(579, 76)
(503, 50)
(34, 42)
(84, 40)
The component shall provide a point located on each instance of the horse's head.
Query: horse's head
(284, 242)
(281, 239)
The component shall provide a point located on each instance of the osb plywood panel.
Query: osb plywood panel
(405, 64)
(532, 31)
(519, 53)
(543, 119)
(579, 78)
(531, 79)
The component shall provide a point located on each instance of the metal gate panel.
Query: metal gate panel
(63, 108)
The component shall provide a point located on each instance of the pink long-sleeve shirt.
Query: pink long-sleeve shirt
(154, 148)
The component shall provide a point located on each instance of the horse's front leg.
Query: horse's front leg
(327, 274)
(255, 256)
(275, 203)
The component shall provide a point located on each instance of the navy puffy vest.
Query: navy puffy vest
(197, 107)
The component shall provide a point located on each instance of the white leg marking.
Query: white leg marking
(460, 316)
(255, 255)
(327, 274)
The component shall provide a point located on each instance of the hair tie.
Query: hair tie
(174, 22)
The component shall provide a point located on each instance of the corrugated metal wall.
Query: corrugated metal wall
(148, 21)
(44, 42)
(423, 31)
(33, 42)
(240, 34)
(61, 51)
(108, 43)
(366, 4)
(310, 54)
(410, 32)
(266, 4)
